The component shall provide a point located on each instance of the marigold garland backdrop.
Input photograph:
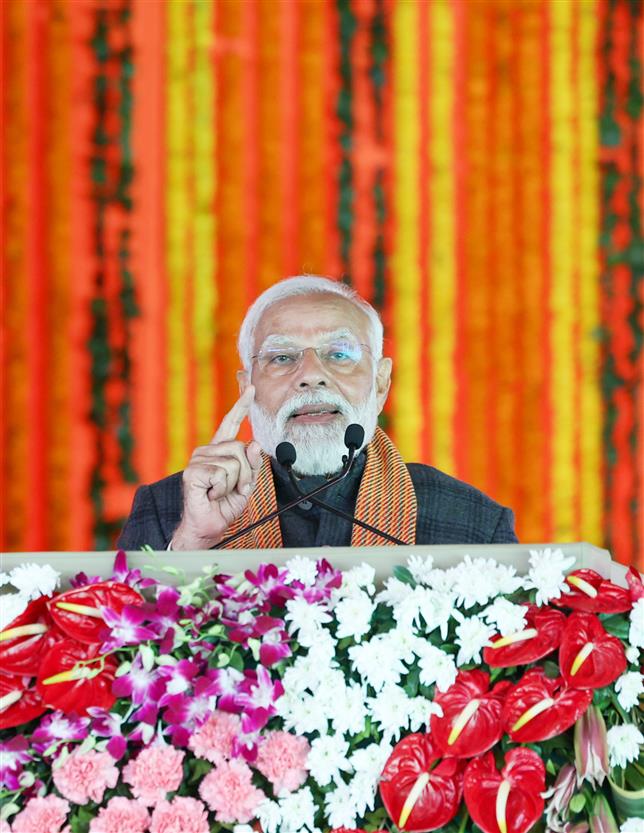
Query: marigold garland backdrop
(470, 167)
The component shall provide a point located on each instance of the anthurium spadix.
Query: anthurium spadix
(78, 612)
(538, 708)
(27, 638)
(591, 747)
(588, 656)
(509, 801)
(471, 719)
(74, 677)
(592, 593)
(419, 790)
(540, 636)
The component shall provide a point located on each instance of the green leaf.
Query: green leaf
(577, 803)
(616, 624)
(403, 574)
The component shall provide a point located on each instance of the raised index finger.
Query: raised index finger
(230, 424)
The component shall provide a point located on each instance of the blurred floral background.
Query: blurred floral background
(472, 167)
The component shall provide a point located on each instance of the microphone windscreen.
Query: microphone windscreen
(285, 454)
(354, 435)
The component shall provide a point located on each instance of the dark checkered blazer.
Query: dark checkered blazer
(449, 512)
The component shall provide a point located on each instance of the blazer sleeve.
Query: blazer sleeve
(504, 532)
(143, 525)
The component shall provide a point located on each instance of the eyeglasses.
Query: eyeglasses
(339, 355)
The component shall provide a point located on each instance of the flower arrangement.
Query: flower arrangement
(300, 699)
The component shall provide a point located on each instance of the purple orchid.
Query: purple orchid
(13, 757)
(163, 616)
(108, 725)
(82, 580)
(125, 628)
(57, 729)
(226, 683)
(257, 698)
(271, 584)
(121, 572)
(178, 678)
(139, 684)
(327, 580)
(186, 712)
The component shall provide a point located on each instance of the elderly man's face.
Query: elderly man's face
(308, 404)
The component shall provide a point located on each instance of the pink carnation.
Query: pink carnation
(282, 759)
(156, 771)
(120, 815)
(4, 826)
(229, 791)
(183, 815)
(214, 739)
(46, 815)
(85, 776)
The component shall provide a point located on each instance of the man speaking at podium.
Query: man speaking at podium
(311, 351)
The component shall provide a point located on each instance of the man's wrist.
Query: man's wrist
(187, 541)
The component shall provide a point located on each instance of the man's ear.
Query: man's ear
(243, 380)
(383, 381)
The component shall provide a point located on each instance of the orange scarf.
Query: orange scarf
(386, 500)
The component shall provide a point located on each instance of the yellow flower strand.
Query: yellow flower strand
(589, 488)
(442, 264)
(177, 214)
(561, 304)
(405, 272)
(204, 221)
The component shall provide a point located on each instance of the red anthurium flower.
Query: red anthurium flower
(592, 593)
(540, 636)
(471, 721)
(419, 790)
(74, 676)
(539, 708)
(635, 584)
(353, 830)
(508, 801)
(18, 702)
(588, 656)
(24, 641)
(78, 612)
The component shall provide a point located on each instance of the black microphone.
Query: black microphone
(353, 438)
(346, 468)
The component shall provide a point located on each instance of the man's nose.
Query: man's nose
(311, 373)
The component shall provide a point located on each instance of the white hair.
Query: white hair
(304, 285)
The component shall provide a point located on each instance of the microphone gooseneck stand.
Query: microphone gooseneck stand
(346, 468)
(286, 456)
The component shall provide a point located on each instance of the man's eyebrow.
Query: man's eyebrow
(283, 340)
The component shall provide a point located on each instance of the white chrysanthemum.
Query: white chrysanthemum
(421, 567)
(441, 580)
(407, 610)
(301, 568)
(508, 617)
(4, 579)
(390, 710)
(435, 666)
(354, 616)
(301, 714)
(328, 759)
(11, 605)
(636, 630)
(298, 810)
(632, 655)
(472, 635)
(403, 643)
(395, 592)
(327, 692)
(370, 760)
(623, 744)
(339, 808)
(420, 711)
(34, 580)
(350, 712)
(306, 620)
(363, 793)
(632, 825)
(376, 662)
(269, 816)
(629, 687)
(474, 582)
(547, 573)
(360, 577)
(437, 609)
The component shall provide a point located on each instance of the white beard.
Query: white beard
(319, 448)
